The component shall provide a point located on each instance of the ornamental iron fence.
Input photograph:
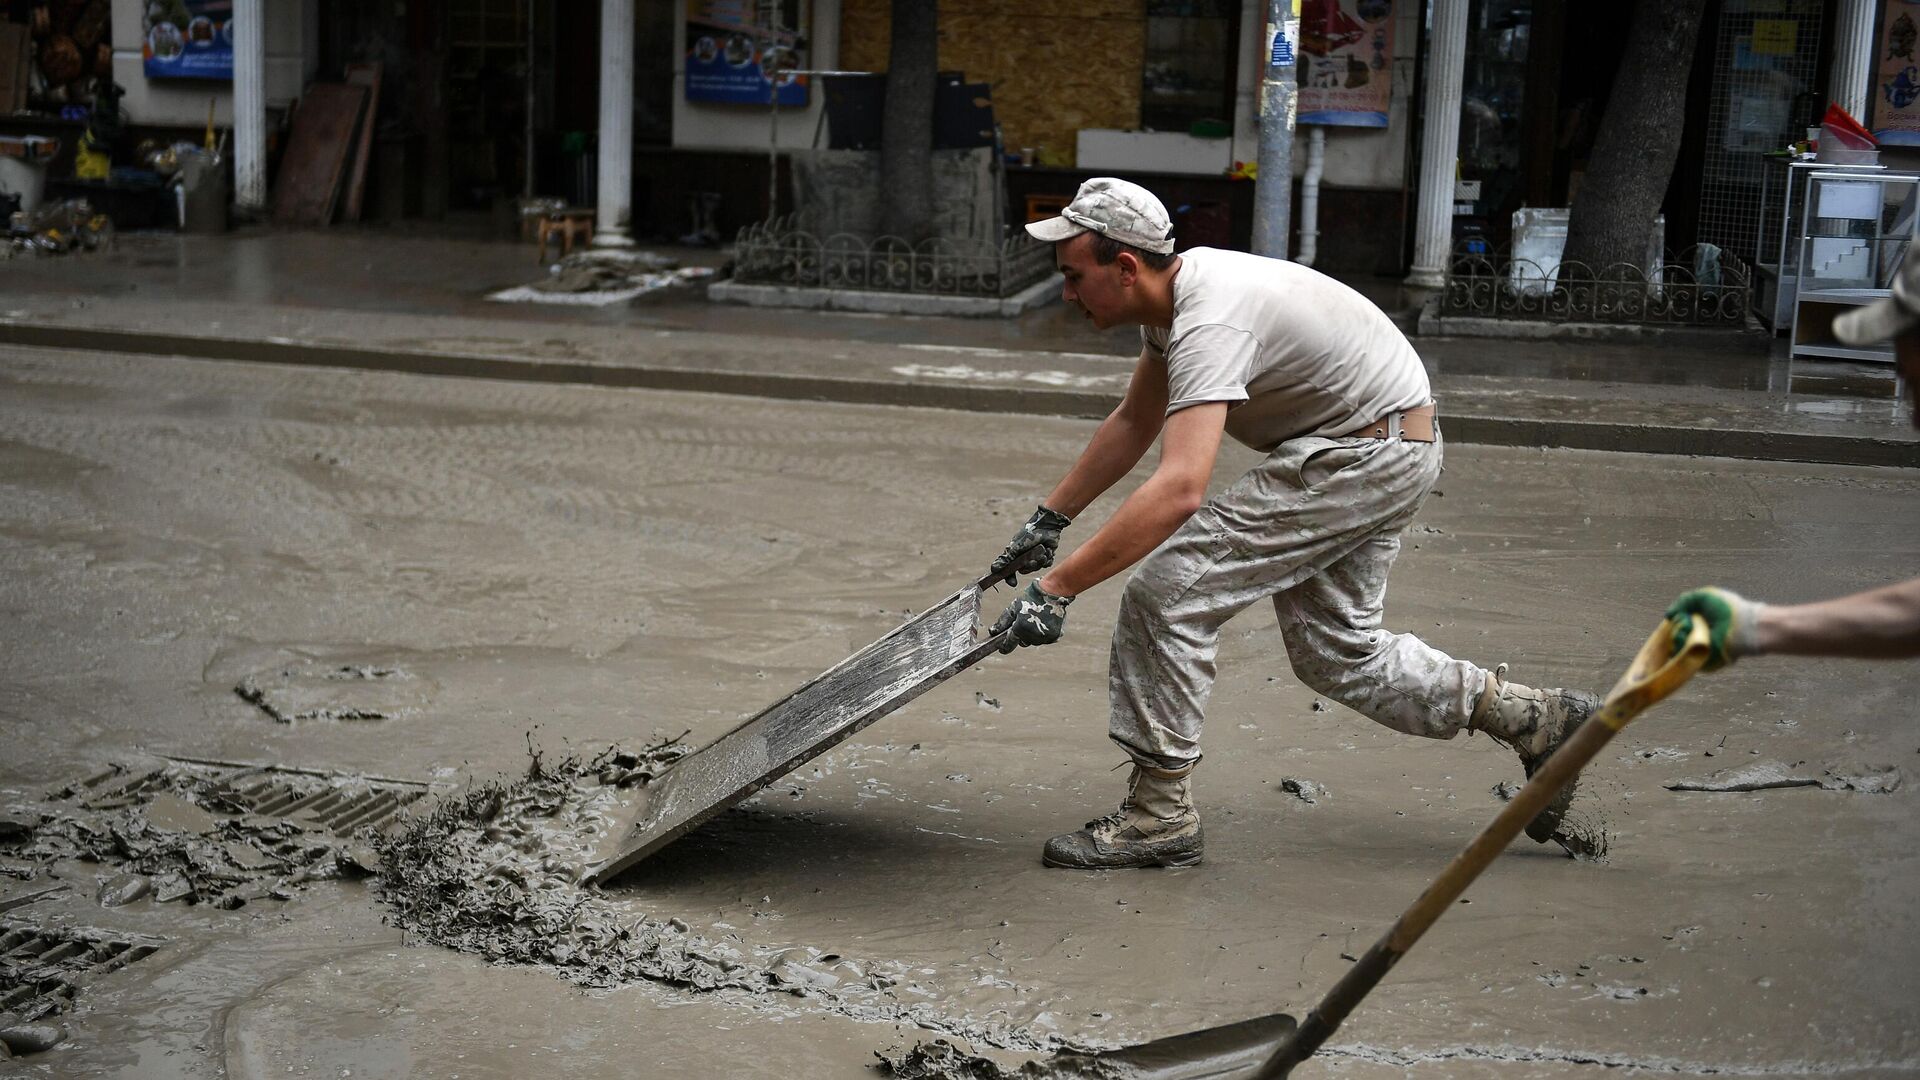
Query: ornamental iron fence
(776, 253)
(1703, 285)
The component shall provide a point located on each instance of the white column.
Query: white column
(250, 105)
(1851, 75)
(1439, 145)
(613, 218)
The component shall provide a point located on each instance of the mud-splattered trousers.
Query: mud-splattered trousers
(1316, 527)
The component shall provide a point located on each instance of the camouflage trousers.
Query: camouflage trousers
(1316, 527)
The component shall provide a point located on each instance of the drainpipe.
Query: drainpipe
(1310, 195)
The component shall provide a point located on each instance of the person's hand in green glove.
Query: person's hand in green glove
(1730, 618)
(1032, 548)
(1036, 617)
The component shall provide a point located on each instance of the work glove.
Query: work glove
(1036, 618)
(1730, 617)
(1032, 548)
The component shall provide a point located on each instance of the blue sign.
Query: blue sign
(188, 39)
(731, 57)
(1283, 37)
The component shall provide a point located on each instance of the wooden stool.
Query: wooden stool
(568, 224)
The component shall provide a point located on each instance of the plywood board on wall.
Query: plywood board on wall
(1056, 66)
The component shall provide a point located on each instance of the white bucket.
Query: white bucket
(23, 167)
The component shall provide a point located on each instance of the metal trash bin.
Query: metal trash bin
(204, 194)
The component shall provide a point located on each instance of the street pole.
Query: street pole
(1273, 192)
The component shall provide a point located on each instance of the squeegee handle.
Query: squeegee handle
(1656, 672)
(990, 579)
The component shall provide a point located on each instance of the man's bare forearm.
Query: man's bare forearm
(1143, 522)
(1155, 509)
(1881, 623)
(1114, 450)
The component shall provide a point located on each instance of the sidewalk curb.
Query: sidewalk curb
(1490, 430)
(1044, 291)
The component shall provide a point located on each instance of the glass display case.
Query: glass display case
(1776, 248)
(1855, 230)
(1493, 104)
(1190, 63)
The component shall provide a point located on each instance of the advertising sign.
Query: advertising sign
(1347, 62)
(1896, 82)
(732, 56)
(188, 39)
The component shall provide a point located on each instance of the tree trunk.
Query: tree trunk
(1639, 138)
(906, 134)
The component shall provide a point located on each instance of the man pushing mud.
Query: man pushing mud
(1310, 373)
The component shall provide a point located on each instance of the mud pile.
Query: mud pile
(941, 1060)
(495, 871)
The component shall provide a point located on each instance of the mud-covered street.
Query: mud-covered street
(230, 589)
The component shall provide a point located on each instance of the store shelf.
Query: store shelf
(1836, 351)
(1842, 296)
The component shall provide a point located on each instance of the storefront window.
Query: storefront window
(1493, 104)
(1189, 69)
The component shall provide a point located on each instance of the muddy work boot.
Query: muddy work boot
(1155, 826)
(1533, 724)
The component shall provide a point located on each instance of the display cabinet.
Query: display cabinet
(1855, 229)
(1776, 248)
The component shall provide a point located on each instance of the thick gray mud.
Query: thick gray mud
(1235, 1049)
(1771, 775)
(496, 871)
(941, 1060)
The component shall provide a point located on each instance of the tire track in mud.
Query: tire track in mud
(742, 421)
(489, 403)
(476, 476)
(162, 470)
(446, 472)
(437, 476)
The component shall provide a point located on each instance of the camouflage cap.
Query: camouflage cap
(1887, 318)
(1113, 208)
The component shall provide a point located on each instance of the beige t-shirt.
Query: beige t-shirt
(1296, 352)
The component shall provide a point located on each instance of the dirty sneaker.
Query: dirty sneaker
(1156, 825)
(1533, 724)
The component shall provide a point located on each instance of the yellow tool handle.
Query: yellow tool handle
(1656, 672)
